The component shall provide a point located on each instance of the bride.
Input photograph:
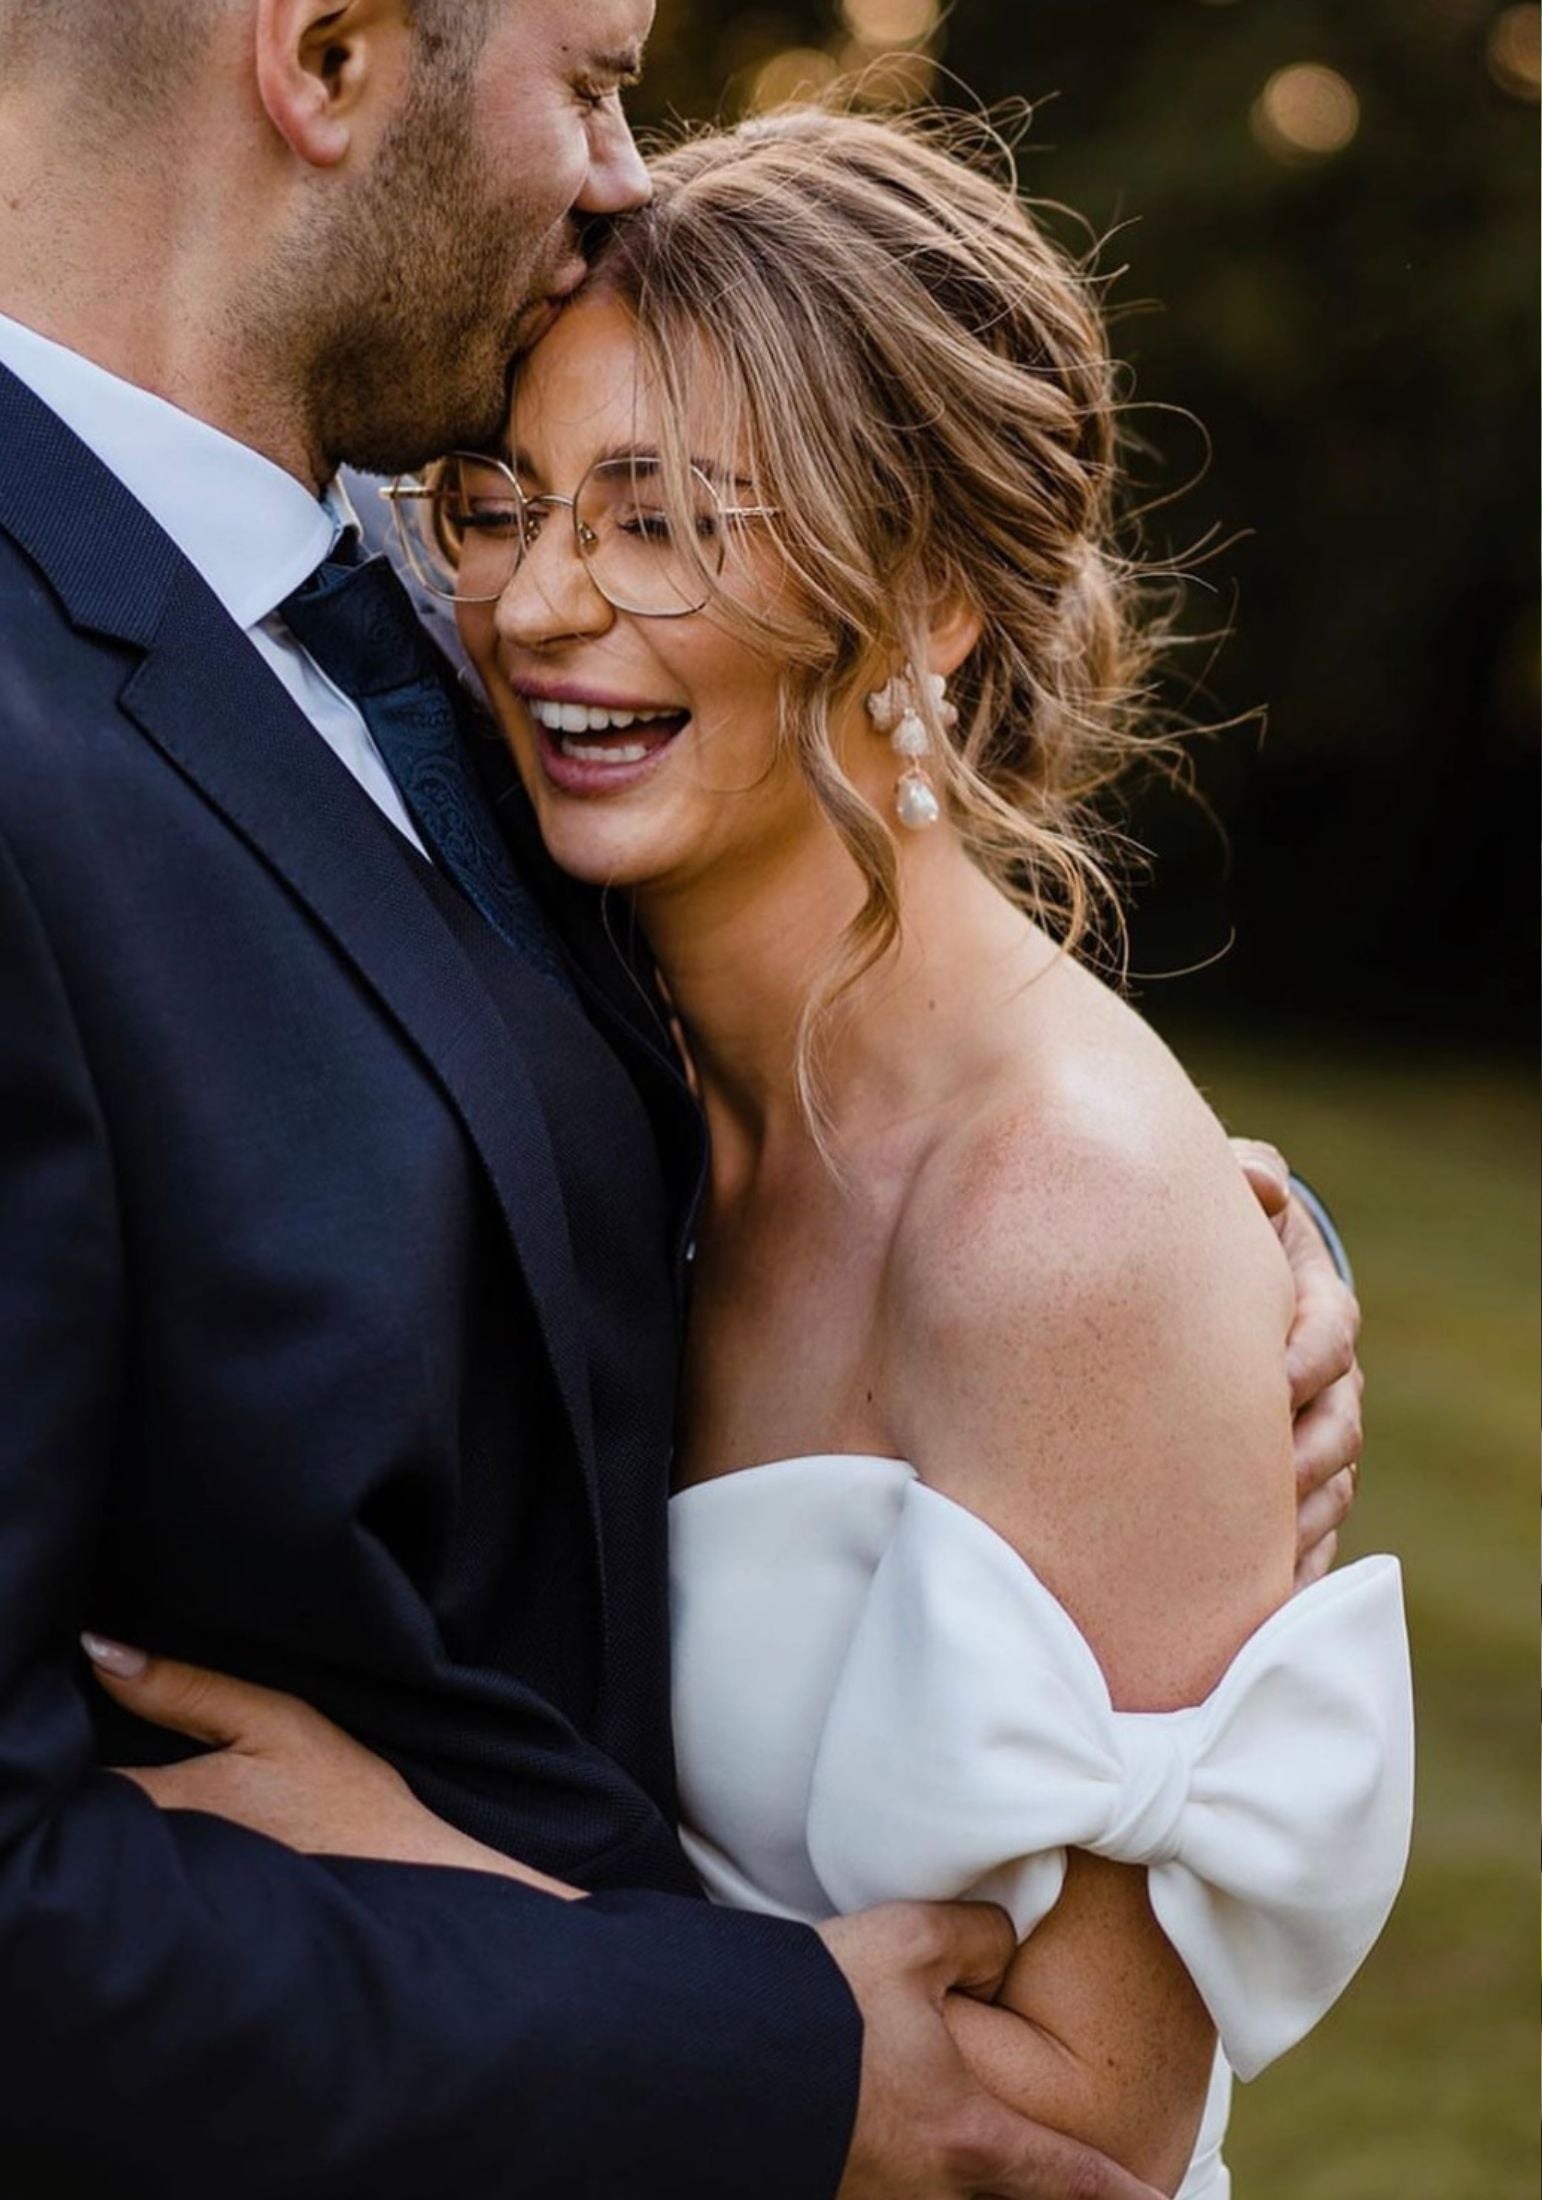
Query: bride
(795, 593)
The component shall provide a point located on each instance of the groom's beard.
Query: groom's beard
(415, 301)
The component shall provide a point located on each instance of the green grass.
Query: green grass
(1423, 2083)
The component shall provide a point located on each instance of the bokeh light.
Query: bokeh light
(891, 22)
(802, 72)
(1306, 112)
(896, 76)
(1515, 51)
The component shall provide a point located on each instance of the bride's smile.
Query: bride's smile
(648, 739)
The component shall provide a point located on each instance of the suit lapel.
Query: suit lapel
(204, 698)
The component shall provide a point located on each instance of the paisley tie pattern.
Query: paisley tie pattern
(356, 619)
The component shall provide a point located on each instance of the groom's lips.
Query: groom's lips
(574, 276)
(539, 315)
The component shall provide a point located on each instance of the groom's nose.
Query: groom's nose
(618, 179)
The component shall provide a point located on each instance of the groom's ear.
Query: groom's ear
(329, 76)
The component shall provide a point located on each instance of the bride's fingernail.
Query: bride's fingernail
(114, 1657)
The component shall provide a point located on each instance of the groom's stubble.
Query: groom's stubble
(396, 314)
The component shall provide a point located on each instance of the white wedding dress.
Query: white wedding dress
(876, 1699)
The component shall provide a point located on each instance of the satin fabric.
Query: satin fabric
(875, 1699)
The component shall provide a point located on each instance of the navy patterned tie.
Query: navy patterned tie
(356, 619)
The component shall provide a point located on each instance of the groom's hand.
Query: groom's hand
(926, 2128)
(1326, 1385)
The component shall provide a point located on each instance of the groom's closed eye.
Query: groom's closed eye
(606, 74)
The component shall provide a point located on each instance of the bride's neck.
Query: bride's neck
(741, 953)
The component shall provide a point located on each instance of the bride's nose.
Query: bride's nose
(551, 596)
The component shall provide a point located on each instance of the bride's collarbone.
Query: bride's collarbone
(795, 1343)
(790, 1387)
(785, 1350)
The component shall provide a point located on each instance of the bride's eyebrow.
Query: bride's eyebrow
(636, 454)
(721, 477)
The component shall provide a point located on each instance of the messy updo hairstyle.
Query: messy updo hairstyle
(918, 381)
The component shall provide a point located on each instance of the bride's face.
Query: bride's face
(704, 781)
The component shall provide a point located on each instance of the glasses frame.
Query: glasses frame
(408, 490)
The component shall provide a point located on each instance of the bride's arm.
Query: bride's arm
(281, 1769)
(1086, 1347)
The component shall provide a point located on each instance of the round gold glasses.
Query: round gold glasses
(467, 526)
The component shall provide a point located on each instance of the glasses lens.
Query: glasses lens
(463, 539)
(644, 556)
(478, 522)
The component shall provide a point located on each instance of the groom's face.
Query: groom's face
(452, 251)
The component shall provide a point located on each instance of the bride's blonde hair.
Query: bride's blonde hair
(919, 382)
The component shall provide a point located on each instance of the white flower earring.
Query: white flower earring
(895, 709)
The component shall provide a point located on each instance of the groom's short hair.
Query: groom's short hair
(133, 55)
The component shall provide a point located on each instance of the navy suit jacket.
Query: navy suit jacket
(340, 1286)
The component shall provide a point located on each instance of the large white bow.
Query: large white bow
(971, 1741)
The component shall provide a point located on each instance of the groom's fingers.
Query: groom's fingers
(187, 1699)
(1266, 1170)
(975, 1944)
(1329, 1437)
(1324, 1513)
(1320, 1350)
(934, 1948)
(1017, 2160)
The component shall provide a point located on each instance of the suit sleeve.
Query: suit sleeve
(186, 2008)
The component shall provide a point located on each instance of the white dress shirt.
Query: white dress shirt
(252, 531)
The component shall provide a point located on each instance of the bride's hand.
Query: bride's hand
(1326, 1385)
(281, 1769)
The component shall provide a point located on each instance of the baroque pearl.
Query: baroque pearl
(915, 802)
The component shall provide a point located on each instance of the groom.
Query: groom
(345, 1184)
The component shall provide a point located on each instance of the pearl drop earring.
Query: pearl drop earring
(896, 710)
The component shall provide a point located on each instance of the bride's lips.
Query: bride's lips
(592, 744)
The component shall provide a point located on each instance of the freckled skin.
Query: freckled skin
(1042, 1279)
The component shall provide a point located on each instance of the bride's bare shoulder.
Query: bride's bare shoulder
(1088, 1129)
(1087, 1320)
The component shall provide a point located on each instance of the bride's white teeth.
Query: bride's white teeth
(633, 753)
(590, 718)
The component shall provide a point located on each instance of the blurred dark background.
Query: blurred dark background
(1326, 214)
(1327, 218)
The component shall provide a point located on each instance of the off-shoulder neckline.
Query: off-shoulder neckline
(799, 1459)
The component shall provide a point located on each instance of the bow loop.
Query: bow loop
(970, 1742)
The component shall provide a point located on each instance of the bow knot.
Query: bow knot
(1146, 1821)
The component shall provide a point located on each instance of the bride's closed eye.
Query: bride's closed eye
(658, 527)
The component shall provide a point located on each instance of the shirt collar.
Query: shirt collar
(252, 531)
